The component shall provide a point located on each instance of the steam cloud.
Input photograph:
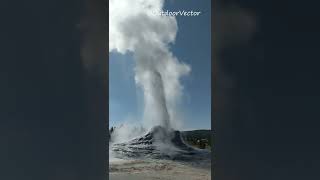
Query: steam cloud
(136, 27)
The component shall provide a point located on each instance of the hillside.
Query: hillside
(199, 138)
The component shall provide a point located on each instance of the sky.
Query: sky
(193, 47)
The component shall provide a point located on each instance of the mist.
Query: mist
(136, 27)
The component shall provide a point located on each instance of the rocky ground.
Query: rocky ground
(160, 154)
(158, 170)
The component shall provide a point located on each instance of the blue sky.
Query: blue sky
(192, 46)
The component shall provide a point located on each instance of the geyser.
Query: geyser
(136, 27)
(156, 111)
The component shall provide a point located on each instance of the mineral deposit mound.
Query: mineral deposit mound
(159, 143)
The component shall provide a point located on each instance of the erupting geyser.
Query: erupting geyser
(156, 111)
(137, 27)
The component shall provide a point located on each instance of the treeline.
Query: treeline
(200, 138)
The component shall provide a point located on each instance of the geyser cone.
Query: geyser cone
(159, 143)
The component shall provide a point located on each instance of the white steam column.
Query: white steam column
(136, 26)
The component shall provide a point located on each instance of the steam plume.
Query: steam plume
(135, 27)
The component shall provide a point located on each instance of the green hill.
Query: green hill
(199, 138)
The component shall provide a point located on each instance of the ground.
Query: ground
(158, 170)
